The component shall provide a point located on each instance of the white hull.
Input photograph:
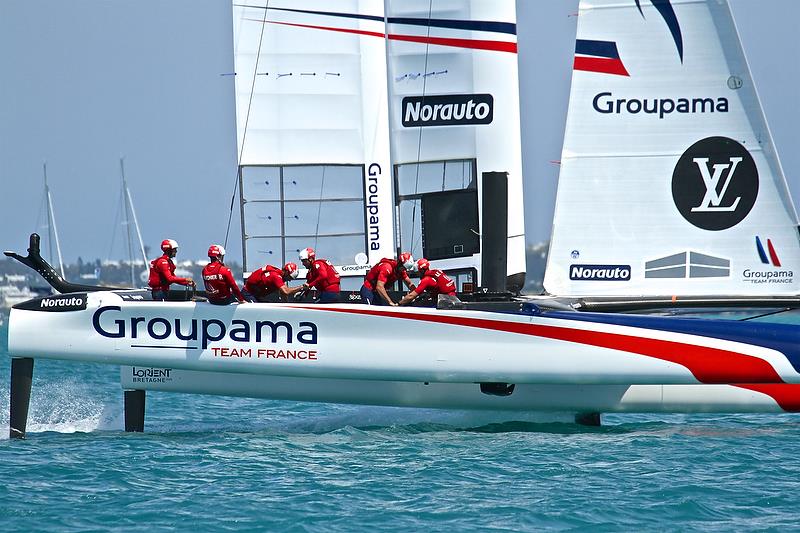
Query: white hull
(398, 344)
(418, 357)
(468, 396)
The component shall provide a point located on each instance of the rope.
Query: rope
(319, 209)
(419, 140)
(246, 122)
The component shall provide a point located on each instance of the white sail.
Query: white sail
(670, 183)
(313, 133)
(454, 114)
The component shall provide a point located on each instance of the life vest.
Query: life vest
(330, 283)
(261, 282)
(219, 282)
(161, 269)
(443, 283)
(371, 279)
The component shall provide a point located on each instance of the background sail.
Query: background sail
(669, 182)
(313, 132)
(454, 114)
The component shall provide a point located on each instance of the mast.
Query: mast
(129, 206)
(52, 230)
(127, 221)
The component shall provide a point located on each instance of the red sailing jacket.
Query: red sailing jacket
(436, 282)
(385, 271)
(264, 281)
(219, 282)
(162, 273)
(323, 276)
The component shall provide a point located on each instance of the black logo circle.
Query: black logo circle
(715, 183)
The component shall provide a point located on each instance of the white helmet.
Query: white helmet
(215, 250)
(307, 254)
(406, 260)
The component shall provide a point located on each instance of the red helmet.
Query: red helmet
(405, 260)
(290, 269)
(215, 250)
(423, 264)
(307, 255)
(169, 244)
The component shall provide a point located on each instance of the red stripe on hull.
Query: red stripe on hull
(600, 64)
(786, 395)
(708, 365)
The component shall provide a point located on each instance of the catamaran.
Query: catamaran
(375, 127)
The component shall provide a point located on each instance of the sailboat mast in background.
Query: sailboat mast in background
(52, 230)
(130, 216)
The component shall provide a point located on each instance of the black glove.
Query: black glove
(298, 296)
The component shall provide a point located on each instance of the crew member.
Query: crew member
(322, 275)
(162, 271)
(221, 288)
(432, 281)
(264, 281)
(386, 272)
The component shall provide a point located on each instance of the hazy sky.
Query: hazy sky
(84, 82)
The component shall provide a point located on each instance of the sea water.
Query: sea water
(215, 464)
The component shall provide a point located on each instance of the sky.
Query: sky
(84, 83)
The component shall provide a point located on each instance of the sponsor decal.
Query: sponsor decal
(687, 264)
(715, 184)
(354, 268)
(603, 56)
(447, 110)
(264, 353)
(664, 8)
(57, 304)
(773, 255)
(373, 211)
(151, 375)
(108, 322)
(607, 104)
(598, 56)
(769, 257)
(600, 272)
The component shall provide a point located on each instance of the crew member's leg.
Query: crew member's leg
(329, 297)
(367, 296)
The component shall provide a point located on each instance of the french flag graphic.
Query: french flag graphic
(598, 56)
(773, 256)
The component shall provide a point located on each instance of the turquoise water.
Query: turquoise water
(214, 464)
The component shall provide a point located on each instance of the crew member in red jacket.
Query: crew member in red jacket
(221, 288)
(268, 279)
(322, 275)
(432, 280)
(162, 271)
(386, 272)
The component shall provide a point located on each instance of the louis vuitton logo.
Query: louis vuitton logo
(715, 194)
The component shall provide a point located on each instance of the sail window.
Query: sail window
(286, 208)
(437, 202)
